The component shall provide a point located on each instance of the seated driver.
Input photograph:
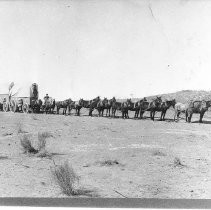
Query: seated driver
(46, 97)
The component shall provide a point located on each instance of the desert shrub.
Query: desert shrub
(108, 162)
(7, 134)
(44, 154)
(27, 144)
(158, 153)
(34, 118)
(41, 141)
(42, 136)
(177, 162)
(66, 178)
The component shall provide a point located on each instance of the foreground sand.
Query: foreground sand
(142, 151)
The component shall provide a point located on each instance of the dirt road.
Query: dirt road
(113, 157)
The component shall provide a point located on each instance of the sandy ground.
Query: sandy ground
(143, 152)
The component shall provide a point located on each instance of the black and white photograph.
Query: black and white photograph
(105, 99)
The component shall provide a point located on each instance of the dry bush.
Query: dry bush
(66, 178)
(34, 118)
(42, 139)
(158, 153)
(27, 145)
(177, 162)
(44, 135)
(7, 134)
(44, 154)
(108, 162)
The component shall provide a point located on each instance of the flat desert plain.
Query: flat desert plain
(112, 157)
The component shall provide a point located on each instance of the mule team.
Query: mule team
(139, 107)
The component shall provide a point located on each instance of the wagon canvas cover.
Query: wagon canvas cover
(17, 90)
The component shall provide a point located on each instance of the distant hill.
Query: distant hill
(183, 96)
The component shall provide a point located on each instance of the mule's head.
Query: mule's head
(173, 102)
(105, 101)
(144, 99)
(96, 99)
(130, 103)
(113, 99)
(208, 104)
(158, 99)
(81, 102)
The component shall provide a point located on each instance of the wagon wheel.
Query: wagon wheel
(5, 106)
(13, 106)
(25, 108)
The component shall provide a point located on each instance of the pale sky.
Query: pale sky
(85, 48)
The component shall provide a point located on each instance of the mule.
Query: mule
(154, 106)
(77, 105)
(93, 104)
(144, 106)
(101, 105)
(138, 106)
(85, 103)
(125, 106)
(162, 107)
(165, 106)
(178, 109)
(114, 106)
(199, 107)
(64, 105)
(108, 106)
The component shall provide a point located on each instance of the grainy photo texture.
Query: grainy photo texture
(105, 99)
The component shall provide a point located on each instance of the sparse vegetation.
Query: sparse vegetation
(44, 154)
(41, 141)
(66, 178)
(26, 144)
(7, 134)
(44, 135)
(42, 145)
(108, 162)
(34, 118)
(178, 163)
(158, 153)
